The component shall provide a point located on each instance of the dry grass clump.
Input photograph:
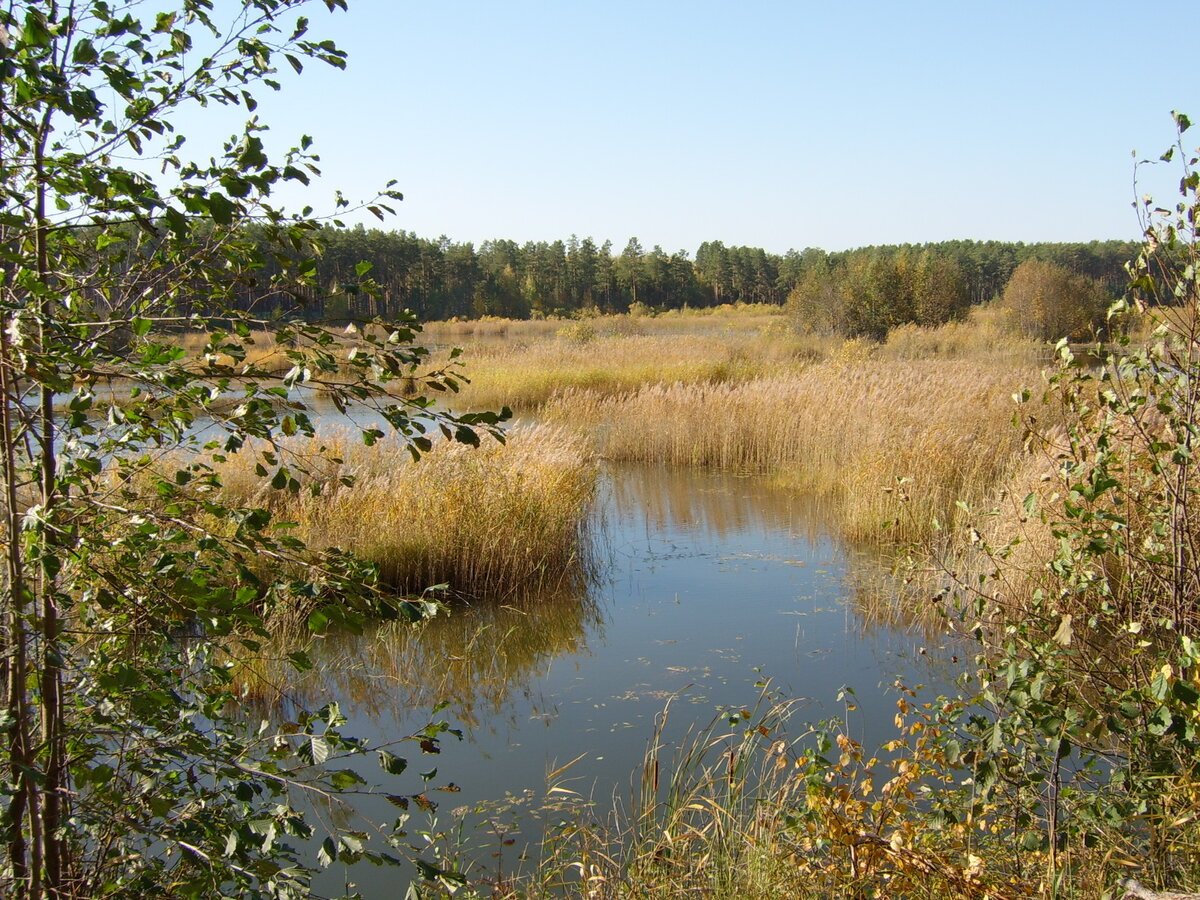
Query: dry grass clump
(498, 520)
(489, 327)
(893, 442)
(262, 351)
(1005, 562)
(640, 319)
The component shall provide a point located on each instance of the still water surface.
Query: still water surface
(707, 584)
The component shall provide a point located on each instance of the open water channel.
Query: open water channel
(707, 584)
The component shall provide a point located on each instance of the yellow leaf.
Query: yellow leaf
(1065, 633)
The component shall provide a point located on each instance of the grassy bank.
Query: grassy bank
(897, 432)
(527, 375)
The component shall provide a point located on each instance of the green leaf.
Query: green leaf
(220, 208)
(392, 764)
(84, 53)
(1185, 692)
(328, 853)
(344, 779)
(317, 621)
(466, 435)
(319, 749)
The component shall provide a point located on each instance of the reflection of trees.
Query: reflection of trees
(473, 657)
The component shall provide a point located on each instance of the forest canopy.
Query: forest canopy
(441, 279)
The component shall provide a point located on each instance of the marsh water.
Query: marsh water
(705, 586)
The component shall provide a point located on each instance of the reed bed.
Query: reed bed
(896, 443)
(490, 328)
(261, 349)
(527, 376)
(499, 520)
(747, 317)
(988, 334)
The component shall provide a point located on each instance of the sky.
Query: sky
(770, 124)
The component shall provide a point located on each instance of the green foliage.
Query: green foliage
(1090, 678)
(870, 293)
(441, 279)
(125, 770)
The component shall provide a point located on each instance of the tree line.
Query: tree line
(440, 279)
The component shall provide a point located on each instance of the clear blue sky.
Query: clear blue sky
(772, 124)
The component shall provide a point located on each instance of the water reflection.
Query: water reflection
(709, 579)
(718, 504)
(475, 656)
(710, 584)
(480, 656)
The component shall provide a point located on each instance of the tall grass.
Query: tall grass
(499, 520)
(261, 350)
(526, 376)
(748, 317)
(746, 807)
(896, 443)
(988, 334)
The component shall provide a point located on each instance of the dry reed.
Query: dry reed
(526, 376)
(896, 443)
(988, 334)
(498, 520)
(744, 809)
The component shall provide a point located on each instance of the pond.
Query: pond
(707, 585)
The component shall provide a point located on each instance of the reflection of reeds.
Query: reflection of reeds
(721, 504)
(498, 520)
(894, 442)
(475, 658)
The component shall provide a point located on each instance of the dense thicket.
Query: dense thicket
(439, 279)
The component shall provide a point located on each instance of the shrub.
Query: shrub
(1049, 302)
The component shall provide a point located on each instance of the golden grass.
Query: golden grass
(262, 351)
(988, 334)
(727, 317)
(498, 520)
(893, 442)
(526, 376)
(489, 327)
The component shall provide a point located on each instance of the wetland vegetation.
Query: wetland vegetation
(193, 556)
